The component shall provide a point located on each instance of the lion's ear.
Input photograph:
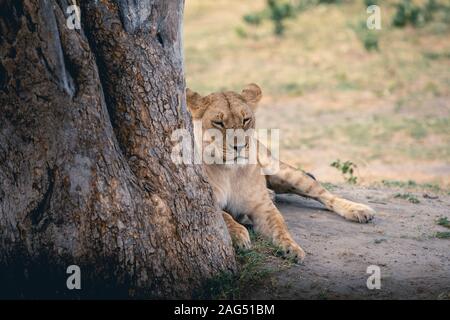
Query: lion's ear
(252, 94)
(194, 103)
(193, 99)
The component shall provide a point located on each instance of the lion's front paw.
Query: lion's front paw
(357, 212)
(241, 237)
(293, 251)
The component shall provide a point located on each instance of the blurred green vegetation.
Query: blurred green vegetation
(278, 11)
(217, 39)
(412, 185)
(369, 38)
(380, 98)
(410, 13)
(407, 13)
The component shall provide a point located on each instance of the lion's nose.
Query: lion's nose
(239, 148)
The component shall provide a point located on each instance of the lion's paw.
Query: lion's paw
(293, 251)
(357, 212)
(241, 238)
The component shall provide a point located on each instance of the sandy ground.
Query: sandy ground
(413, 263)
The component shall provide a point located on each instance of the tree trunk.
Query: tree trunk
(86, 177)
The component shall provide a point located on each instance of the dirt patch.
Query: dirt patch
(401, 240)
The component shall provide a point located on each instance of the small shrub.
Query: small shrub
(347, 169)
(370, 41)
(369, 38)
(408, 13)
(278, 11)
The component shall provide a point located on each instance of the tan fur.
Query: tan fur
(241, 190)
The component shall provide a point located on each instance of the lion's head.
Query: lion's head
(226, 118)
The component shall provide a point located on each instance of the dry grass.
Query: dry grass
(387, 111)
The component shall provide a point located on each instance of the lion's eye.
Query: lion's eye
(247, 121)
(218, 124)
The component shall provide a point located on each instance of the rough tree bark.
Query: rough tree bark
(85, 172)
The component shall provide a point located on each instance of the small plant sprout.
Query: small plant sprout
(347, 168)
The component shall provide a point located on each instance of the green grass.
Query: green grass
(329, 186)
(444, 222)
(323, 295)
(407, 196)
(230, 285)
(254, 271)
(411, 184)
(443, 235)
(369, 38)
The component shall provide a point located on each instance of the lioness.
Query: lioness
(241, 190)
